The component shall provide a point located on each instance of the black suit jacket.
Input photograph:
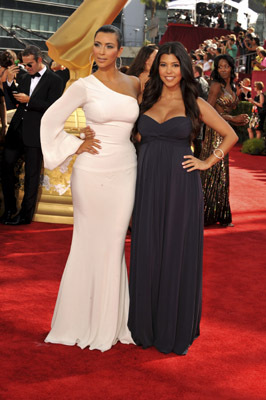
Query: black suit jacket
(48, 90)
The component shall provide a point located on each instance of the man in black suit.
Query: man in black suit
(36, 92)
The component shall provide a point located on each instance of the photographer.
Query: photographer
(243, 90)
(8, 58)
(38, 89)
(251, 43)
(231, 47)
(222, 44)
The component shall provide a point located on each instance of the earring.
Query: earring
(90, 59)
(120, 63)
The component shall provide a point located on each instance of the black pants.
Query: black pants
(33, 164)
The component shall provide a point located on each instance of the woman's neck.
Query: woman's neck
(107, 74)
(171, 93)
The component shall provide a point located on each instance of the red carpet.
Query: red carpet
(228, 360)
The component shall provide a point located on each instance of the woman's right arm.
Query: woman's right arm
(138, 137)
(58, 145)
(258, 103)
(239, 120)
(212, 119)
(214, 92)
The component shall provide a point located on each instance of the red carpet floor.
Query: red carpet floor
(228, 360)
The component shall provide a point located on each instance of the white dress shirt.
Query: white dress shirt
(36, 79)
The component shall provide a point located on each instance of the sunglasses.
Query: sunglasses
(29, 65)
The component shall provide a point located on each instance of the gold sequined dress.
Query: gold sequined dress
(215, 180)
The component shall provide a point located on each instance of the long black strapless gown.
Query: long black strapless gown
(167, 240)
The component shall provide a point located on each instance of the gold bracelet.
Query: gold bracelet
(220, 157)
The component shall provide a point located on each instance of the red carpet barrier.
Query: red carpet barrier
(191, 36)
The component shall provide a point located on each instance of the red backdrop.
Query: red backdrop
(258, 76)
(191, 36)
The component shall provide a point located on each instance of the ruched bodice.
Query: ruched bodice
(165, 143)
(176, 130)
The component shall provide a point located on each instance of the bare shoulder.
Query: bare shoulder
(204, 106)
(202, 103)
(215, 87)
(133, 82)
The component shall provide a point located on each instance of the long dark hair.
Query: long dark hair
(188, 85)
(215, 76)
(138, 65)
(111, 29)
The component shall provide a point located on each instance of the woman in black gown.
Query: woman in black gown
(167, 231)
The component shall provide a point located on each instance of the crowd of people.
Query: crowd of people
(155, 103)
(243, 47)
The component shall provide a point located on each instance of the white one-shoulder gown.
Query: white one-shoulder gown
(93, 300)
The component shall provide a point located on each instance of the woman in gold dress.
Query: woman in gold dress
(215, 181)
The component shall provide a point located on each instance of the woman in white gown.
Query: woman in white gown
(93, 301)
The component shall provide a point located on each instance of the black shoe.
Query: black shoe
(18, 220)
(7, 216)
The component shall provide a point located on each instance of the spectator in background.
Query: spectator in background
(215, 181)
(244, 90)
(212, 50)
(251, 43)
(237, 28)
(251, 31)
(61, 71)
(199, 57)
(8, 59)
(203, 89)
(124, 69)
(187, 18)
(258, 59)
(231, 47)
(217, 52)
(240, 43)
(202, 84)
(259, 103)
(220, 22)
(142, 64)
(260, 63)
(207, 65)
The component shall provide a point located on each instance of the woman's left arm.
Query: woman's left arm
(258, 103)
(212, 119)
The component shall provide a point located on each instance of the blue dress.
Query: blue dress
(167, 240)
